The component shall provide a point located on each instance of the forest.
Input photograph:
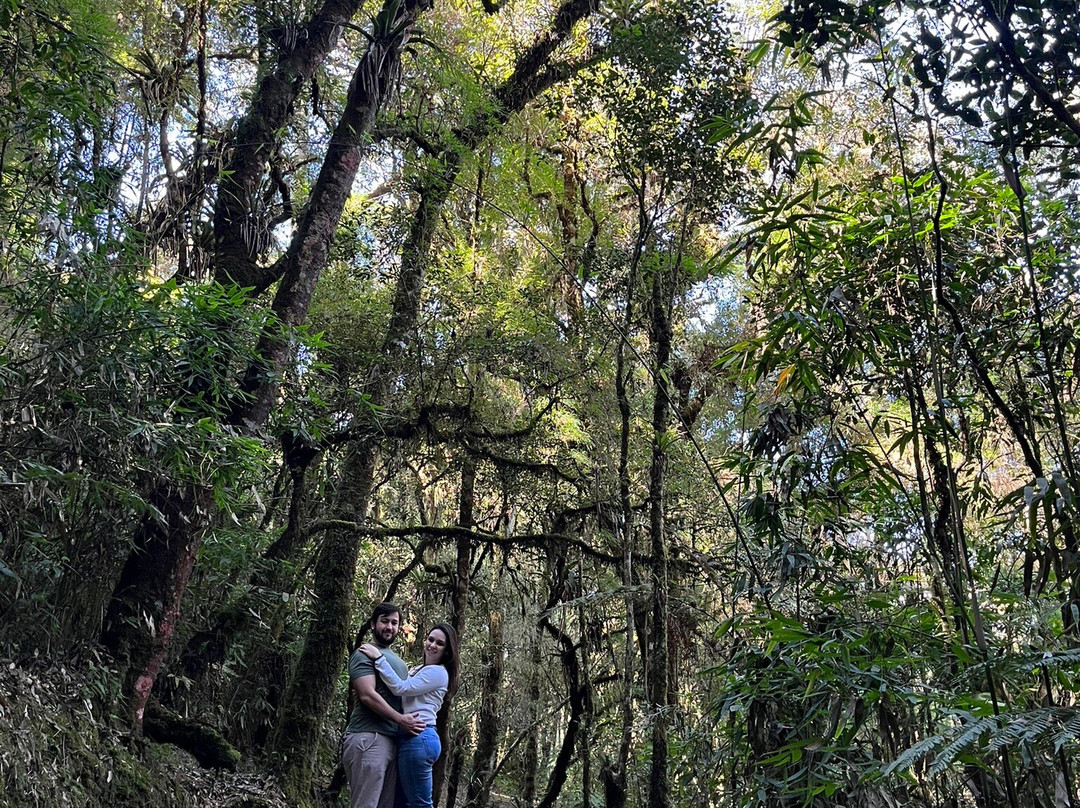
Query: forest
(713, 369)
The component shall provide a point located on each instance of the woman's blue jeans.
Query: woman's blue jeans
(416, 756)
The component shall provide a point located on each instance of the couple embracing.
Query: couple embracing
(391, 741)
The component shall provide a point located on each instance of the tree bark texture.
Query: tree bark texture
(311, 686)
(205, 743)
(459, 599)
(309, 250)
(296, 736)
(257, 136)
(145, 605)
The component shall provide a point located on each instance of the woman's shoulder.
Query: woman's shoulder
(433, 673)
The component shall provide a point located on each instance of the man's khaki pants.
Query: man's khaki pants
(370, 762)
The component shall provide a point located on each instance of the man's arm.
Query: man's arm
(365, 691)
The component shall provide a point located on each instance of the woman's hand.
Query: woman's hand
(370, 651)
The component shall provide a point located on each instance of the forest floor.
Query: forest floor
(62, 745)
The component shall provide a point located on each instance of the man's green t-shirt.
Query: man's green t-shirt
(363, 719)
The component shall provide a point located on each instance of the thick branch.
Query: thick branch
(432, 534)
(302, 264)
(257, 135)
(580, 703)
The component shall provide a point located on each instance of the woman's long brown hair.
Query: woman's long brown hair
(451, 657)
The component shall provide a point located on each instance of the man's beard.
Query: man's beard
(381, 641)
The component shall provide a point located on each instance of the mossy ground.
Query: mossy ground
(63, 744)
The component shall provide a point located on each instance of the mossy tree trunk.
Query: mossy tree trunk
(459, 601)
(145, 605)
(147, 598)
(489, 727)
(312, 684)
(660, 336)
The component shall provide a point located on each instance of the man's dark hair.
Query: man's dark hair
(384, 608)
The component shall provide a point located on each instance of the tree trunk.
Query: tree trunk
(459, 598)
(659, 787)
(311, 686)
(531, 763)
(459, 601)
(205, 743)
(309, 249)
(257, 137)
(145, 605)
(577, 695)
(478, 793)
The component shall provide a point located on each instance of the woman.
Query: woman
(423, 692)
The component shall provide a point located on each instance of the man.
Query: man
(369, 751)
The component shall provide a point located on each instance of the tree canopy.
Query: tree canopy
(711, 368)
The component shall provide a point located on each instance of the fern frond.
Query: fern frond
(913, 754)
(969, 735)
(1070, 731)
(1027, 726)
(1045, 659)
